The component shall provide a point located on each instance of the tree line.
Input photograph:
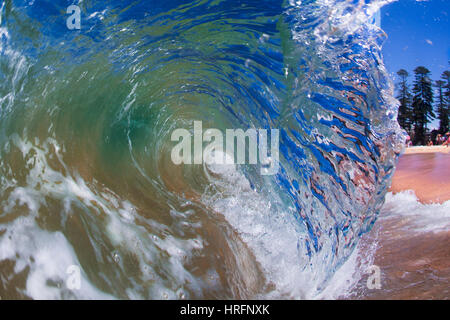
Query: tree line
(420, 104)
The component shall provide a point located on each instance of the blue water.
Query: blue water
(85, 123)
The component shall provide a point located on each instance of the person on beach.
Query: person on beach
(447, 141)
(408, 141)
(439, 139)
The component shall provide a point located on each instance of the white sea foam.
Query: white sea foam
(273, 236)
(416, 217)
(48, 254)
(422, 217)
(350, 273)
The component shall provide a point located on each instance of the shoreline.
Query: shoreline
(427, 149)
(426, 171)
(411, 238)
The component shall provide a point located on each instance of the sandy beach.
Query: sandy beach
(430, 149)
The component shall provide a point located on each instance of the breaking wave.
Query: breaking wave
(85, 123)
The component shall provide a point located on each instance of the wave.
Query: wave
(85, 123)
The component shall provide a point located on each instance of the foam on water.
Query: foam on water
(274, 237)
(45, 258)
(47, 255)
(421, 217)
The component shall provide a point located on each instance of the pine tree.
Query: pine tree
(422, 103)
(404, 96)
(446, 78)
(442, 107)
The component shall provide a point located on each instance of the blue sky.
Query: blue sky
(418, 34)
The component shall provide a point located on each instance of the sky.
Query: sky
(418, 35)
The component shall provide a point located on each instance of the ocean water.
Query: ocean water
(409, 244)
(86, 117)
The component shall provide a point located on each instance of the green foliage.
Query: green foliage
(422, 103)
(442, 107)
(404, 96)
(417, 107)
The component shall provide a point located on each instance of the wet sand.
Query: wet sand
(426, 170)
(414, 264)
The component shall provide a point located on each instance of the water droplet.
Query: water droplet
(116, 257)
